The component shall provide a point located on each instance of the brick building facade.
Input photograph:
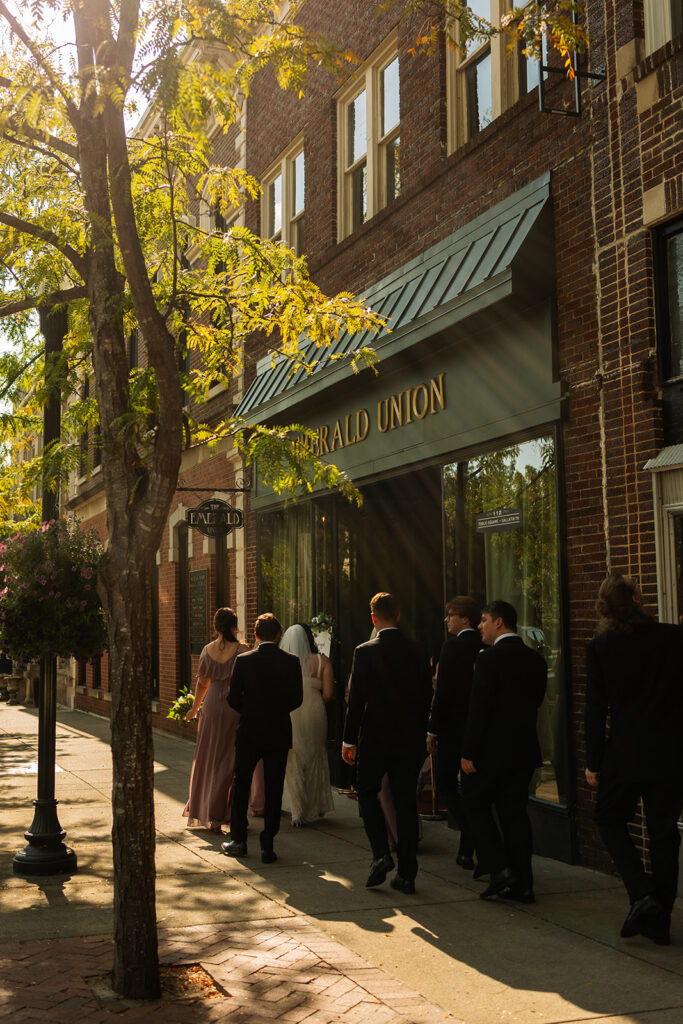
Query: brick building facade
(529, 265)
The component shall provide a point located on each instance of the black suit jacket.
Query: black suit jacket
(638, 678)
(507, 690)
(454, 686)
(390, 691)
(265, 686)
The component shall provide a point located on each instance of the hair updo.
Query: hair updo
(225, 624)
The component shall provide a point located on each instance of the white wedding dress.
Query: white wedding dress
(307, 793)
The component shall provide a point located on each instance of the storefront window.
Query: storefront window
(286, 564)
(500, 535)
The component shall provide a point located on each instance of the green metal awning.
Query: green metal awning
(505, 250)
(668, 458)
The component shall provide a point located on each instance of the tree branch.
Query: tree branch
(34, 50)
(33, 147)
(26, 227)
(34, 301)
(35, 134)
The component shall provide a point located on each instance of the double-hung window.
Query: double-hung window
(369, 125)
(663, 21)
(484, 78)
(283, 198)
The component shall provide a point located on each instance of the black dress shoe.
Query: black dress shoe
(518, 894)
(500, 881)
(234, 849)
(465, 862)
(268, 856)
(646, 912)
(406, 885)
(659, 930)
(379, 869)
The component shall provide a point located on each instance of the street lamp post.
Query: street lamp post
(46, 853)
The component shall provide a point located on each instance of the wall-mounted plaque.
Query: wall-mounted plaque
(198, 613)
(499, 519)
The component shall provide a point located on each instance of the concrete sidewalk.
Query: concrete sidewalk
(303, 939)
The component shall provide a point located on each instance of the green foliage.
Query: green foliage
(560, 22)
(48, 601)
(196, 60)
(285, 462)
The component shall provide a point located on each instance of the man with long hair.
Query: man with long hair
(634, 673)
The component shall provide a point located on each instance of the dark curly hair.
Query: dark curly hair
(619, 605)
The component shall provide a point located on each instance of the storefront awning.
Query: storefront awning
(506, 250)
(668, 458)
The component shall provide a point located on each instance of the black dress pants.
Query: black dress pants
(402, 764)
(616, 806)
(448, 773)
(274, 766)
(511, 844)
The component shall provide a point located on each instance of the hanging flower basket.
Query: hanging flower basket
(48, 593)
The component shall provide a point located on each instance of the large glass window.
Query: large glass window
(674, 289)
(501, 542)
(287, 564)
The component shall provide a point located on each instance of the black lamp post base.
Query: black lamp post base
(45, 860)
(46, 853)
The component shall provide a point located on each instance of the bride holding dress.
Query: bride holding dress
(307, 793)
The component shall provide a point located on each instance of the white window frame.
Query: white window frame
(505, 79)
(284, 167)
(369, 79)
(660, 23)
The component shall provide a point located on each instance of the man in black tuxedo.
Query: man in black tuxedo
(389, 694)
(500, 752)
(449, 711)
(634, 672)
(266, 685)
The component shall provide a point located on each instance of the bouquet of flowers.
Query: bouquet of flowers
(322, 623)
(181, 705)
(48, 593)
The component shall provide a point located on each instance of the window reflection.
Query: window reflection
(500, 534)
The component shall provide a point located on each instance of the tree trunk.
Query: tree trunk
(136, 966)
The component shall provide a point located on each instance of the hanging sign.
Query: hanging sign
(499, 519)
(214, 518)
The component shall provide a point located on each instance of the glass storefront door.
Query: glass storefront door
(501, 542)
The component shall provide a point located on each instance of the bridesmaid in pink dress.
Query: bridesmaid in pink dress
(213, 767)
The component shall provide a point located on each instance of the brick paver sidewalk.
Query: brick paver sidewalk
(284, 970)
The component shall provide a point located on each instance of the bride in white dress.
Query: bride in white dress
(307, 794)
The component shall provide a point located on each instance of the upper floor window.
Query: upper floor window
(369, 124)
(669, 281)
(663, 21)
(283, 199)
(485, 79)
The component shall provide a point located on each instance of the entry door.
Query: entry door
(677, 525)
(673, 567)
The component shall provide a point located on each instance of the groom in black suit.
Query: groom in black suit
(389, 695)
(500, 752)
(266, 685)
